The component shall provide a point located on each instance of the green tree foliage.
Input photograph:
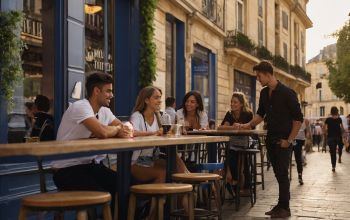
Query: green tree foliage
(147, 65)
(11, 47)
(339, 77)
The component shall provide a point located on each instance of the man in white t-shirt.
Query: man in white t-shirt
(87, 118)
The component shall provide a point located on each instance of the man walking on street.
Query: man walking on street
(279, 104)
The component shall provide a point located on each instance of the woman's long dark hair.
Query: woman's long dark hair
(199, 101)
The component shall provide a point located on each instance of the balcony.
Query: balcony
(237, 40)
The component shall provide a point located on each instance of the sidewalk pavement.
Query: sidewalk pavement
(324, 195)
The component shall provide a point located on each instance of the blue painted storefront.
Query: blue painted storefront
(16, 176)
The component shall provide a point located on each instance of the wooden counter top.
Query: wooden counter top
(91, 145)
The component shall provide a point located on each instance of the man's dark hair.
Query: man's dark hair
(334, 110)
(42, 103)
(169, 101)
(96, 79)
(264, 67)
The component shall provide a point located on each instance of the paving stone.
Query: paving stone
(324, 195)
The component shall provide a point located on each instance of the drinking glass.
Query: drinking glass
(166, 123)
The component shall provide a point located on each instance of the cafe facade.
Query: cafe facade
(65, 41)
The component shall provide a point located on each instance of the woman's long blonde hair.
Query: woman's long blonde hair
(141, 105)
(242, 99)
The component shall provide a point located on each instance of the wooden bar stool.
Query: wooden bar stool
(158, 192)
(66, 200)
(197, 179)
(262, 163)
(250, 156)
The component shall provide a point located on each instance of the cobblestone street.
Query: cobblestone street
(324, 195)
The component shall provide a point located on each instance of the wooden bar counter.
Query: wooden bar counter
(123, 147)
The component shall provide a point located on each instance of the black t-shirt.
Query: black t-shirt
(244, 117)
(333, 127)
(47, 133)
(238, 141)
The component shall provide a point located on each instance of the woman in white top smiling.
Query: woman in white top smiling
(146, 121)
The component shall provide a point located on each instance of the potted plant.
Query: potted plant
(11, 47)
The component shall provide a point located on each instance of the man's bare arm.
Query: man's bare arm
(253, 123)
(99, 130)
(126, 130)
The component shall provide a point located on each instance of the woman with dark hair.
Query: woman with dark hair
(333, 129)
(239, 113)
(192, 112)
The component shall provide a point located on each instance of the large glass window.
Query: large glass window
(260, 8)
(322, 111)
(285, 20)
(240, 16)
(260, 32)
(98, 36)
(200, 72)
(38, 66)
(246, 84)
(170, 38)
(285, 51)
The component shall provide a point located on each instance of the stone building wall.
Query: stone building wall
(202, 31)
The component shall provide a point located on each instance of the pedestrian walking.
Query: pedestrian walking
(333, 129)
(317, 135)
(279, 104)
(304, 132)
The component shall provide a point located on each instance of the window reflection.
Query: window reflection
(96, 43)
(38, 64)
(170, 59)
(200, 69)
(245, 83)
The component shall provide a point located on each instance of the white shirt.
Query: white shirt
(171, 111)
(140, 124)
(72, 128)
(203, 118)
(301, 132)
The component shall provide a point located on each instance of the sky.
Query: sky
(327, 17)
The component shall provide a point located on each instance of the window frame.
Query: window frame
(240, 18)
(172, 22)
(285, 20)
(260, 32)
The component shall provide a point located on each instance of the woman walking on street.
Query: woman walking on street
(333, 129)
(303, 133)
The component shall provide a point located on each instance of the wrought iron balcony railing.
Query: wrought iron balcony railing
(236, 39)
